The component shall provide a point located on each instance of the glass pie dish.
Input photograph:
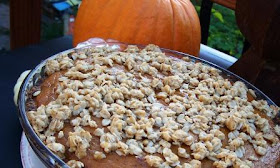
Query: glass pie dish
(52, 160)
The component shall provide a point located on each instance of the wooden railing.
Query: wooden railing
(226, 3)
(25, 21)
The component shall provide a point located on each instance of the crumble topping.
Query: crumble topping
(79, 141)
(75, 164)
(153, 161)
(57, 148)
(149, 104)
(60, 134)
(193, 164)
(99, 155)
(277, 130)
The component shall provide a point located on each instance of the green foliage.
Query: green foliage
(224, 35)
(217, 15)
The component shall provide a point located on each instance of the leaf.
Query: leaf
(219, 16)
(213, 10)
(197, 8)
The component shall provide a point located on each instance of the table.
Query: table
(12, 64)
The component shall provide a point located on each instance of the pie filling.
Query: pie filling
(99, 107)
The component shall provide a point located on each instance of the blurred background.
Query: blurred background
(4, 25)
(58, 18)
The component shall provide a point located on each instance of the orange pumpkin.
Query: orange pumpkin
(172, 24)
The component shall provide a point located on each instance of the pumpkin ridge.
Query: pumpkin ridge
(102, 13)
(144, 25)
(116, 23)
(173, 25)
(157, 23)
(191, 27)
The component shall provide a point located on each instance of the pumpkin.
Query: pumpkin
(172, 24)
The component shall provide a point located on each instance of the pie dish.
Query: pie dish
(117, 105)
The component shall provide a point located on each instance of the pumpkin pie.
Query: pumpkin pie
(100, 107)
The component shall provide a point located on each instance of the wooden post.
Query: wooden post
(205, 15)
(258, 21)
(25, 21)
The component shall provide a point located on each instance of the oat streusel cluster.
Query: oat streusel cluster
(148, 102)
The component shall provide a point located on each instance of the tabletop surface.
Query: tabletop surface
(12, 63)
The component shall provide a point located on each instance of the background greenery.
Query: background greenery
(224, 34)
